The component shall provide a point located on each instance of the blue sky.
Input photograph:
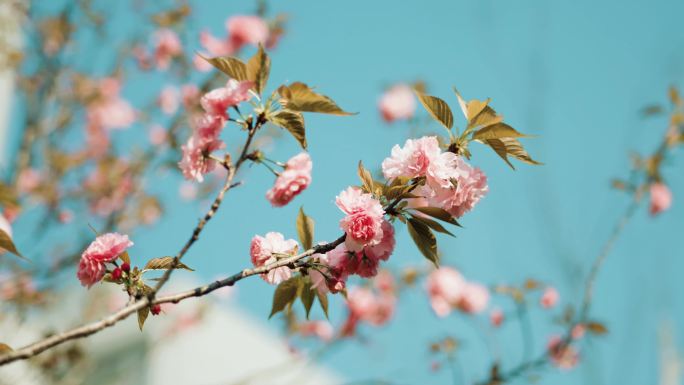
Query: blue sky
(573, 73)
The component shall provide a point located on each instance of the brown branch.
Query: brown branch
(95, 327)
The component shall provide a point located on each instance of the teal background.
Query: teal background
(574, 73)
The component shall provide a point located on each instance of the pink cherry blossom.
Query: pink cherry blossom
(217, 101)
(90, 272)
(385, 247)
(169, 99)
(319, 329)
(105, 248)
(496, 317)
(474, 298)
(195, 161)
(549, 298)
(318, 280)
(167, 47)
(397, 103)
(244, 30)
(363, 223)
(456, 186)
(562, 355)
(292, 181)
(445, 287)
(267, 249)
(209, 127)
(661, 198)
(413, 159)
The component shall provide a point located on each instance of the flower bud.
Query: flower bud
(126, 267)
(155, 309)
(116, 274)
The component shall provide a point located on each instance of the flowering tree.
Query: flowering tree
(427, 185)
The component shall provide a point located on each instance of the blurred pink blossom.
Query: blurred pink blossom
(366, 306)
(169, 100)
(496, 317)
(190, 95)
(158, 135)
(474, 298)
(246, 29)
(167, 47)
(28, 180)
(549, 297)
(445, 287)
(319, 329)
(562, 355)
(397, 103)
(661, 198)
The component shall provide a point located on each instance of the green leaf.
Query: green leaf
(293, 122)
(125, 257)
(164, 263)
(497, 131)
(366, 178)
(305, 229)
(8, 197)
(300, 97)
(7, 244)
(475, 107)
(439, 213)
(258, 69)
(432, 224)
(323, 300)
(285, 294)
(596, 328)
(142, 316)
(461, 103)
(308, 295)
(230, 66)
(424, 239)
(485, 118)
(510, 146)
(437, 108)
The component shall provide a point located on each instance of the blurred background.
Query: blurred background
(576, 75)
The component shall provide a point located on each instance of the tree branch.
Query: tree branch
(95, 327)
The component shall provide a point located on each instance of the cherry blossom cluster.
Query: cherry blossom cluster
(196, 161)
(372, 305)
(105, 249)
(452, 184)
(449, 290)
